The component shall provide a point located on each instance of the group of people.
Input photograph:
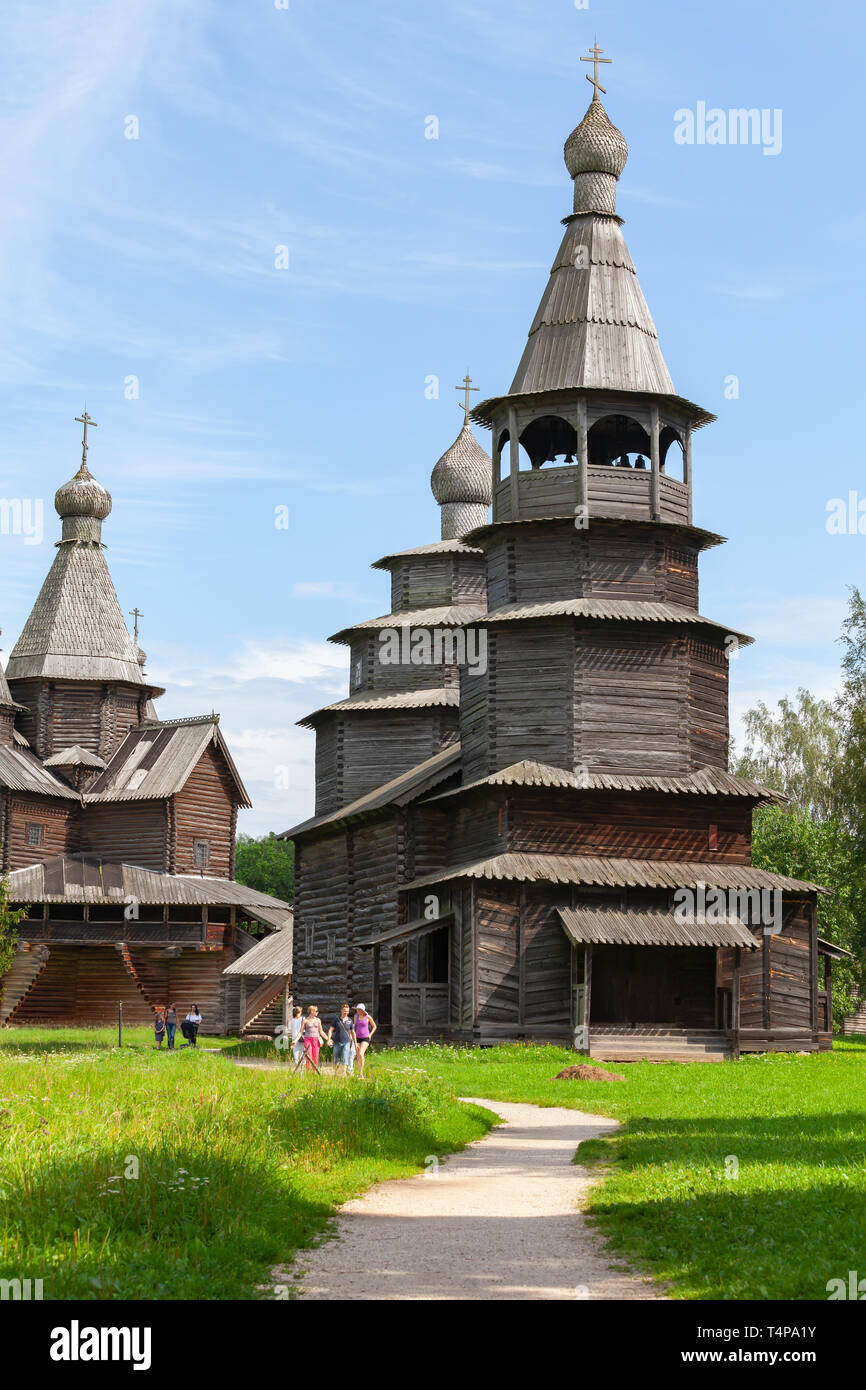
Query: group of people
(349, 1034)
(165, 1025)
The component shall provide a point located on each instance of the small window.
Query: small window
(35, 833)
(357, 672)
(309, 938)
(201, 853)
(332, 945)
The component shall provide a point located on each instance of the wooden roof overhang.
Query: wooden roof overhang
(410, 931)
(705, 781)
(596, 872)
(704, 540)
(272, 956)
(385, 704)
(156, 758)
(611, 610)
(829, 948)
(422, 552)
(85, 878)
(487, 412)
(452, 615)
(607, 926)
(400, 791)
(21, 771)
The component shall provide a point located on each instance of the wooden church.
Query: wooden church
(546, 843)
(117, 829)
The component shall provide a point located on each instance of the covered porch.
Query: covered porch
(413, 992)
(647, 986)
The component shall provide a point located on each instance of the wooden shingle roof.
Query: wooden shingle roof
(75, 630)
(155, 760)
(705, 781)
(591, 870)
(372, 703)
(606, 926)
(609, 609)
(21, 771)
(454, 615)
(398, 792)
(451, 547)
(270, 956)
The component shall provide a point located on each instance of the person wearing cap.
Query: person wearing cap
(365, 1027)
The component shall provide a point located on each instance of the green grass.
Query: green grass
(793, 1217)
(138, 1174)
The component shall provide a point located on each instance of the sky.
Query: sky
(225, 231)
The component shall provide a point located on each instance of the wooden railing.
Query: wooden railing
(420, 1006)
(261, 997)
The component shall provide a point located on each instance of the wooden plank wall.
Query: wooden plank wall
(708, 704)
(204, 810)
(618, 824)
(59, 821)
(497, 931)
(134, 832)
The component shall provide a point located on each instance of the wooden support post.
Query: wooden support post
(813, 960)
(582, 457)
(655, 481)
(496, 463)
(687, 471)
(243, 1003)
(514, 451)
(587, 980)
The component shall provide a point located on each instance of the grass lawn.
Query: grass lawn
(141, 1174)
(733, 1180)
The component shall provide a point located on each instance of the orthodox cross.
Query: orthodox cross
(134, 613)
(595, 60)
(466, 387)
(85, 420)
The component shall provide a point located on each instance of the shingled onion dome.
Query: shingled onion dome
(462, 484)
(595, 156)
(83, 504)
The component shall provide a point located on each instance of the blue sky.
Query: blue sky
(304, 387)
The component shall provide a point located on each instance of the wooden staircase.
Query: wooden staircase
(27, 965)
(649, 1043)
(264, 1007)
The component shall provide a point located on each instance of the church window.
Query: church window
(309, 938)
(201, 853)
(35, 833)
(332, 945)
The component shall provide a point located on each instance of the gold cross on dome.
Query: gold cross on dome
(85, 420)
(466, 386)
(595, 59)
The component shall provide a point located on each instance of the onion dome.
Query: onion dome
(462, 484)
(83, 496)
(595, 156)
(140, 656)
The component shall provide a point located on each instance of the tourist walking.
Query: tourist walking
(313, 1036)
(365, 1027)
(159, 1026)
(341, 1036)
(297, 1040)
(191, 1025)
(171, 1025)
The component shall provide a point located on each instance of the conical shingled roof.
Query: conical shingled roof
(76, 629)
(593, 327)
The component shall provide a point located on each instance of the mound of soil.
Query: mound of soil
(587, 1073)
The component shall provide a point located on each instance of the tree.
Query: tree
(789, 841)
(852, 704)
(9, 919)
(267, 864)
(799, 751)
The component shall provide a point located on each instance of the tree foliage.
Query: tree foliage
(267, 864)
(9, 919)
(798, 751)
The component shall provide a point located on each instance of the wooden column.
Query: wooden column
(514, 450)
(587, 980)
(687, 469)
(495, 461)
(813, 956)
(582, 456)
(655, 484)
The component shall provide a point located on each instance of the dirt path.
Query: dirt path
(498, 1221)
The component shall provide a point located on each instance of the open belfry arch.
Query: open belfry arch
(498, 846)
(117, 829)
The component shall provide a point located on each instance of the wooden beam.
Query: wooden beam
(514, 452)
(582, 456)
(655, 484)
(687, 470)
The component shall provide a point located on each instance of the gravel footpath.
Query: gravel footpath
(500, 1220)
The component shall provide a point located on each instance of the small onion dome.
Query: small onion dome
(464, 472)
(595, 146)
(140, 656)
(83, 496)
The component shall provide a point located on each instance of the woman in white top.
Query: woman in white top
(192, 1022)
